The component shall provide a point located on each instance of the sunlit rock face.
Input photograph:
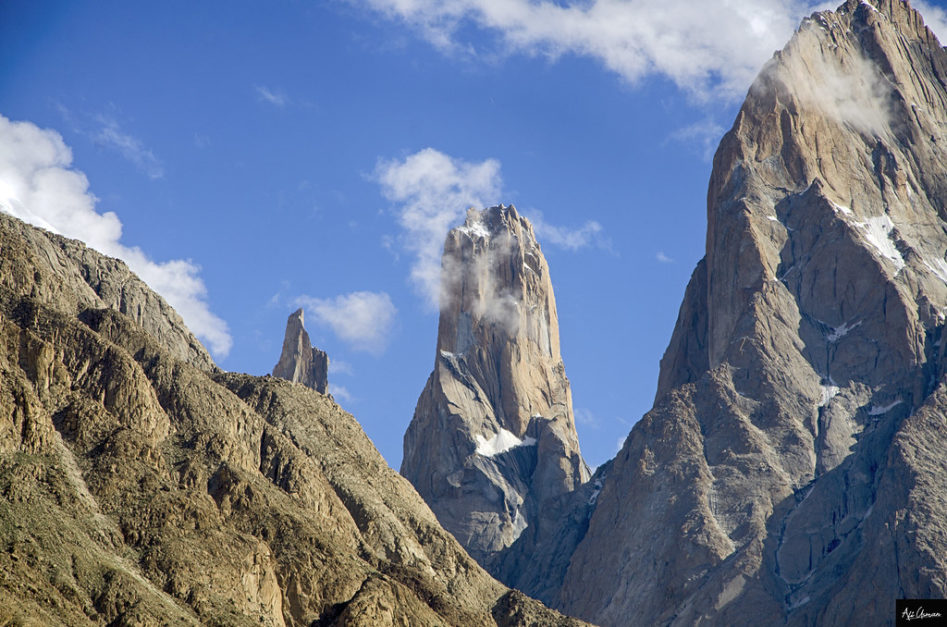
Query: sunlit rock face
(300, 362)
(141, 485)
(493, 436)
(793, 468)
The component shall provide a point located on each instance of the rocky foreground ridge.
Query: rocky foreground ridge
(141, 485)
(794, 466)
(492, 446)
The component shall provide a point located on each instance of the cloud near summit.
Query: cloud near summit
(431, 192)
(709, 49)
(361, 319)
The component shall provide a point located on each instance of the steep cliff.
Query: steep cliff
(493, 440)
(300, 362)
(793, 467)
(140, 485)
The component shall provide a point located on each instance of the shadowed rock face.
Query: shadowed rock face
(140, 485)
(793, 468)
(493, 436)
(299, 361)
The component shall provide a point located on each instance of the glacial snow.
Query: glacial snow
(828, 393)
(840, 332)
(939, 268)
(597, 489)
(519, 524)
(877, 231)
(477, 228)
(878, 411)
(500, 443)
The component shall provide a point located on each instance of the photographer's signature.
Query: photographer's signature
(918, 614)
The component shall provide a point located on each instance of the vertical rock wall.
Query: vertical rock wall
(493, 436)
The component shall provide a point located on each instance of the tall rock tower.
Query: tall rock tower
(300, 362)
(493, 436)
(793, 468)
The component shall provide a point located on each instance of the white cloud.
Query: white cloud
(274, 97)
(848, 89)
(573, 239)
(38, 185)
(663, 258)
(432, 191)
(362, 319)
(112, 136)
(701, 137)
(337, 366)
(340, 393)
(935, 18)
(715, 47)
(586, 417)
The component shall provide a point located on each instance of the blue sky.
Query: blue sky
(250, 157)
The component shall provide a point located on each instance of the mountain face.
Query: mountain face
(493, 440)
(141, 485)
(793, 468)
(299, 361)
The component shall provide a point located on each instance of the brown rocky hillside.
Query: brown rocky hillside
(141, 485)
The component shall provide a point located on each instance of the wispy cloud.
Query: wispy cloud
(849, 90)
(340, 393)
(361, 319)
(663, 258)
(111, 135)
(586, 417)
(337, 366)
(279, 298)
(700, 137)
(714, 51)
(273, 96)
(39, 185)
(432, 191)
(570, 238)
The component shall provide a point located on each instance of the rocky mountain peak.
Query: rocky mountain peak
(493, 435)
(141, 485)
(496, 295)
(795, 417)
(299, 361)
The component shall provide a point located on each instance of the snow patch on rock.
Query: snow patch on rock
(938, 267)
(877, 231)
(877, 410)
(841, 331)
(828, 393)
(475, 229)
(500, 443)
